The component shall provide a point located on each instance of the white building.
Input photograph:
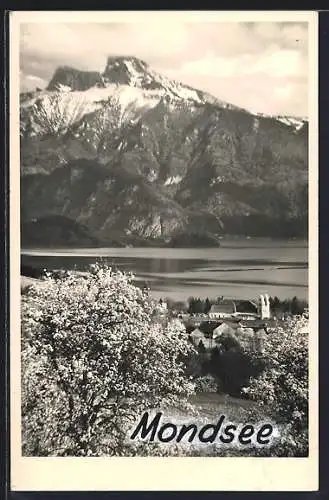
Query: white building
(244, 309)
(264, 307)
(222, 329)
(196, 336)
(225, 309)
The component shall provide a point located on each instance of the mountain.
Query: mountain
(132, 157)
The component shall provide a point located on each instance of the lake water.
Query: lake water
(238, 269)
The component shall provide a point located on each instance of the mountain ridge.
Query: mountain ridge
(149, 159)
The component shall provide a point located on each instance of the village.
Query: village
(247, 321)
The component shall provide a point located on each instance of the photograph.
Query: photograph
(165, 167)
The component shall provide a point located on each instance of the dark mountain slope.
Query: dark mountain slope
(131, 153)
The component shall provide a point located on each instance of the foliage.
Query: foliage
(93, 359)
(195, 364)
(176, 305)
(207, 306)
(201, 347)
(195, 306)
(261, 225)
(206, 383)
(283, 384)
(194, 239)
(292, 306)
(31, 271)
(56, 230)
(232, 364)
(199, 306)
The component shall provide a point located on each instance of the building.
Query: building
(225, 309)
(242, 309)
(246, 310)
(255, 324)
(246, 306)
(264, 307)
(208, 327)
(224, 328)
(196, 336)
(249, 334)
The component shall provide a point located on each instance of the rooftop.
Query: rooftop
(246, 306)
(254, 323)
(225, 306)
(231, 306)
(208, 327)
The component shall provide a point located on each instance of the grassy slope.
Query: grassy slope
(207, 409)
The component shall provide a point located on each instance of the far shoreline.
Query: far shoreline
(169, 272)
(225, 243)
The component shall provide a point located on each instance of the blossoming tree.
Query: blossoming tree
(94, 358)
(283, 384)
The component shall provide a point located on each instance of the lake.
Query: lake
(239, 269)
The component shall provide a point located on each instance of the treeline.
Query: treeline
(196, 305)
(31, 272)
(193, 305)
(56, 230)
(292, 306)
(194, 239)
(258, 225)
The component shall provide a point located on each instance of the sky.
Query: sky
(261, 66)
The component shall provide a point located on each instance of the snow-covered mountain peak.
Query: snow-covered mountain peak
(135, 73)
(55, 111)
(127, 64)
(290, 121)
(128, 85)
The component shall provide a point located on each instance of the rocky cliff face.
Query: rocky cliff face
(132, 155)
(66, 78)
